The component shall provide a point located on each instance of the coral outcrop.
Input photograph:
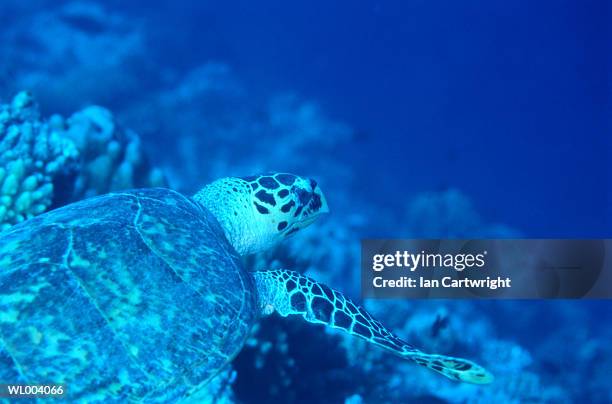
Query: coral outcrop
(71, 52)
(111, 157)
(214, 126)
(450, 214)
(32, 156)
(48, 163)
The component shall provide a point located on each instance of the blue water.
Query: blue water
(498, 112)
(508, 102)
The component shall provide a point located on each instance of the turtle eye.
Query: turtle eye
(303, 196)
(316, 202)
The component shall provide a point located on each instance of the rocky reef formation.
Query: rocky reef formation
(58, 47)
(213, 125)
(450, 214)
(48, 163)
(112, 158)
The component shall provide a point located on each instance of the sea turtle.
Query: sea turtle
(142, 294)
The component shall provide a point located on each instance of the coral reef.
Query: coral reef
(216, 126)
(48, 163)
(57, 50)
(200, 121)
(32, 156)
(457, 328)
(111, 157)
(291, 361)
(450, 214)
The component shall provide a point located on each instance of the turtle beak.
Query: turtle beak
(324, 207)
(318, 201)
(317, 205)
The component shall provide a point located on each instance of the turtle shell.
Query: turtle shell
(127, 295)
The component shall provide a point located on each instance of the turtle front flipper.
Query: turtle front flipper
(290, 293)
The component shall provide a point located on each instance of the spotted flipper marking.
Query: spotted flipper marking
(290, 293)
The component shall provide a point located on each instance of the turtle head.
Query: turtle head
(259, 211)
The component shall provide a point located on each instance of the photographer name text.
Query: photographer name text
(464, 264)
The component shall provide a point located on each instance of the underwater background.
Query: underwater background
(419, 119)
